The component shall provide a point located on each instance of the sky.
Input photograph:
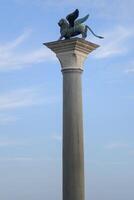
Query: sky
(31, 100)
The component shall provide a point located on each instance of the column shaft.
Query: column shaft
(73, 158)
(72, 54)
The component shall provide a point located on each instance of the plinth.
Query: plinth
(72, 54)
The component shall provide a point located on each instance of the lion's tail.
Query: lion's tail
(94, 33)
(81, 20)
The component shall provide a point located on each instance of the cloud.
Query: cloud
(7, 119)
(18, 159)
(131, 152)
(15, 43)
(11, 59)
(115, 10)
(116, 146)
(130, 69)
(112, 163)
(115, 43)
(8, 142)
(21, 159)
(57, 138)
(24, 98)
(19, 98)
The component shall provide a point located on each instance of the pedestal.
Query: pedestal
(72, 54)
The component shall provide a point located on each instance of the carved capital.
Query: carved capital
(71, 59)
(72, 53)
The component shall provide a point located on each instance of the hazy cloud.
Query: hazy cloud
(115, 10)
(129, 68)
(57, 137)
(114, 43)
(24, 98)
(8, 142)
(15, 43)
(10, 58)
(116, 145)
(6, 119)
(19, 98)
(18, 159)
(131, 152)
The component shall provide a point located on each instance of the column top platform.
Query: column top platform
(72, 52)
(73, 44)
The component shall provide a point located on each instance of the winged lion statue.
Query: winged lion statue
(71, 26)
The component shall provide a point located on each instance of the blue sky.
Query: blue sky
(31, 100)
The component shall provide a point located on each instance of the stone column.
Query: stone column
(71, 54)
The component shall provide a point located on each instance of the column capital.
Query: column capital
(71, 53)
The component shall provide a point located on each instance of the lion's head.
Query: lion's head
(62, 22)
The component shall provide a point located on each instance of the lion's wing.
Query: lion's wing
(72, 17)
(81, 20)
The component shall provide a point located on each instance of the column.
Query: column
(72, 54)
